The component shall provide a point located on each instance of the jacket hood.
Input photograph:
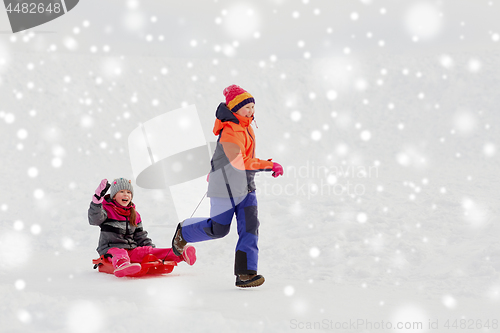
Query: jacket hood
(224, 114)
(227, 118)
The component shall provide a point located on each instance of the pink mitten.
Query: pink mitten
(101, 191)
(277, 170)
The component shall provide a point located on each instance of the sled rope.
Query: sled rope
(198, 204)
(165, 258)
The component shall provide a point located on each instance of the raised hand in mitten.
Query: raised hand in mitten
(100, 192)
(277, 170)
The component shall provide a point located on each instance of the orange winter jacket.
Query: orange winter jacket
(234, 163)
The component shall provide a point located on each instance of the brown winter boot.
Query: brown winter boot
(178, 242)
(249, 280)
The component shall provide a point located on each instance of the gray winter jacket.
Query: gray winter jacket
(116, 230)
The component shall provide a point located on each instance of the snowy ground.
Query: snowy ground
(387, 212)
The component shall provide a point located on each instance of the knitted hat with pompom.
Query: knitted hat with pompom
(236, 97)
(120, 184)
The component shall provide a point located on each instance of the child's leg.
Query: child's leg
(166, 254)
(138, 254)
(119, 256)
(247, 251)
(202, 229)
(121, 263)
(189, 255)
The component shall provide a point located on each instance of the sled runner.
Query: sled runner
(150, 265)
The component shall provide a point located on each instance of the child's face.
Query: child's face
(247, 111)
(123, 197)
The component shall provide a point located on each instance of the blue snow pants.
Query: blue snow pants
(218, 225)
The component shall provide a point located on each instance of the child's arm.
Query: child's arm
(96, 213)
(235, 152)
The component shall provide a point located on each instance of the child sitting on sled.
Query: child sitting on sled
(122, 234)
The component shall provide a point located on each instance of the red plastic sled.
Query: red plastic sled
(150, 265)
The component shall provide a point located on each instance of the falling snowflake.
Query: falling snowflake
(489, 149)
(57, 162)
(68, 243)
(314, 252)
(9, 118)
(365, 135)
(36, 229)
(78, 317)
(423, 20)
(331, 179)
(22, 134)
(465, 122)
(362, 218)
(16, 249)
(331, 95)
(474, 65)
(20, 284)
(449, 301)
(39, 194)
(236, 15)
(316, 135)
(289, 291)
(24, 316)
(475, 213)
(446, 61)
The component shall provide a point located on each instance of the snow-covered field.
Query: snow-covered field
(386, 124)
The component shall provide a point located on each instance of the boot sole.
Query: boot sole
(128, 270)
(255, 282)
(176, 252)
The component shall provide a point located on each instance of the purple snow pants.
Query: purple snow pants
(218, 225)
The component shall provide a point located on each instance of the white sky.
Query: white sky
(285, 28)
